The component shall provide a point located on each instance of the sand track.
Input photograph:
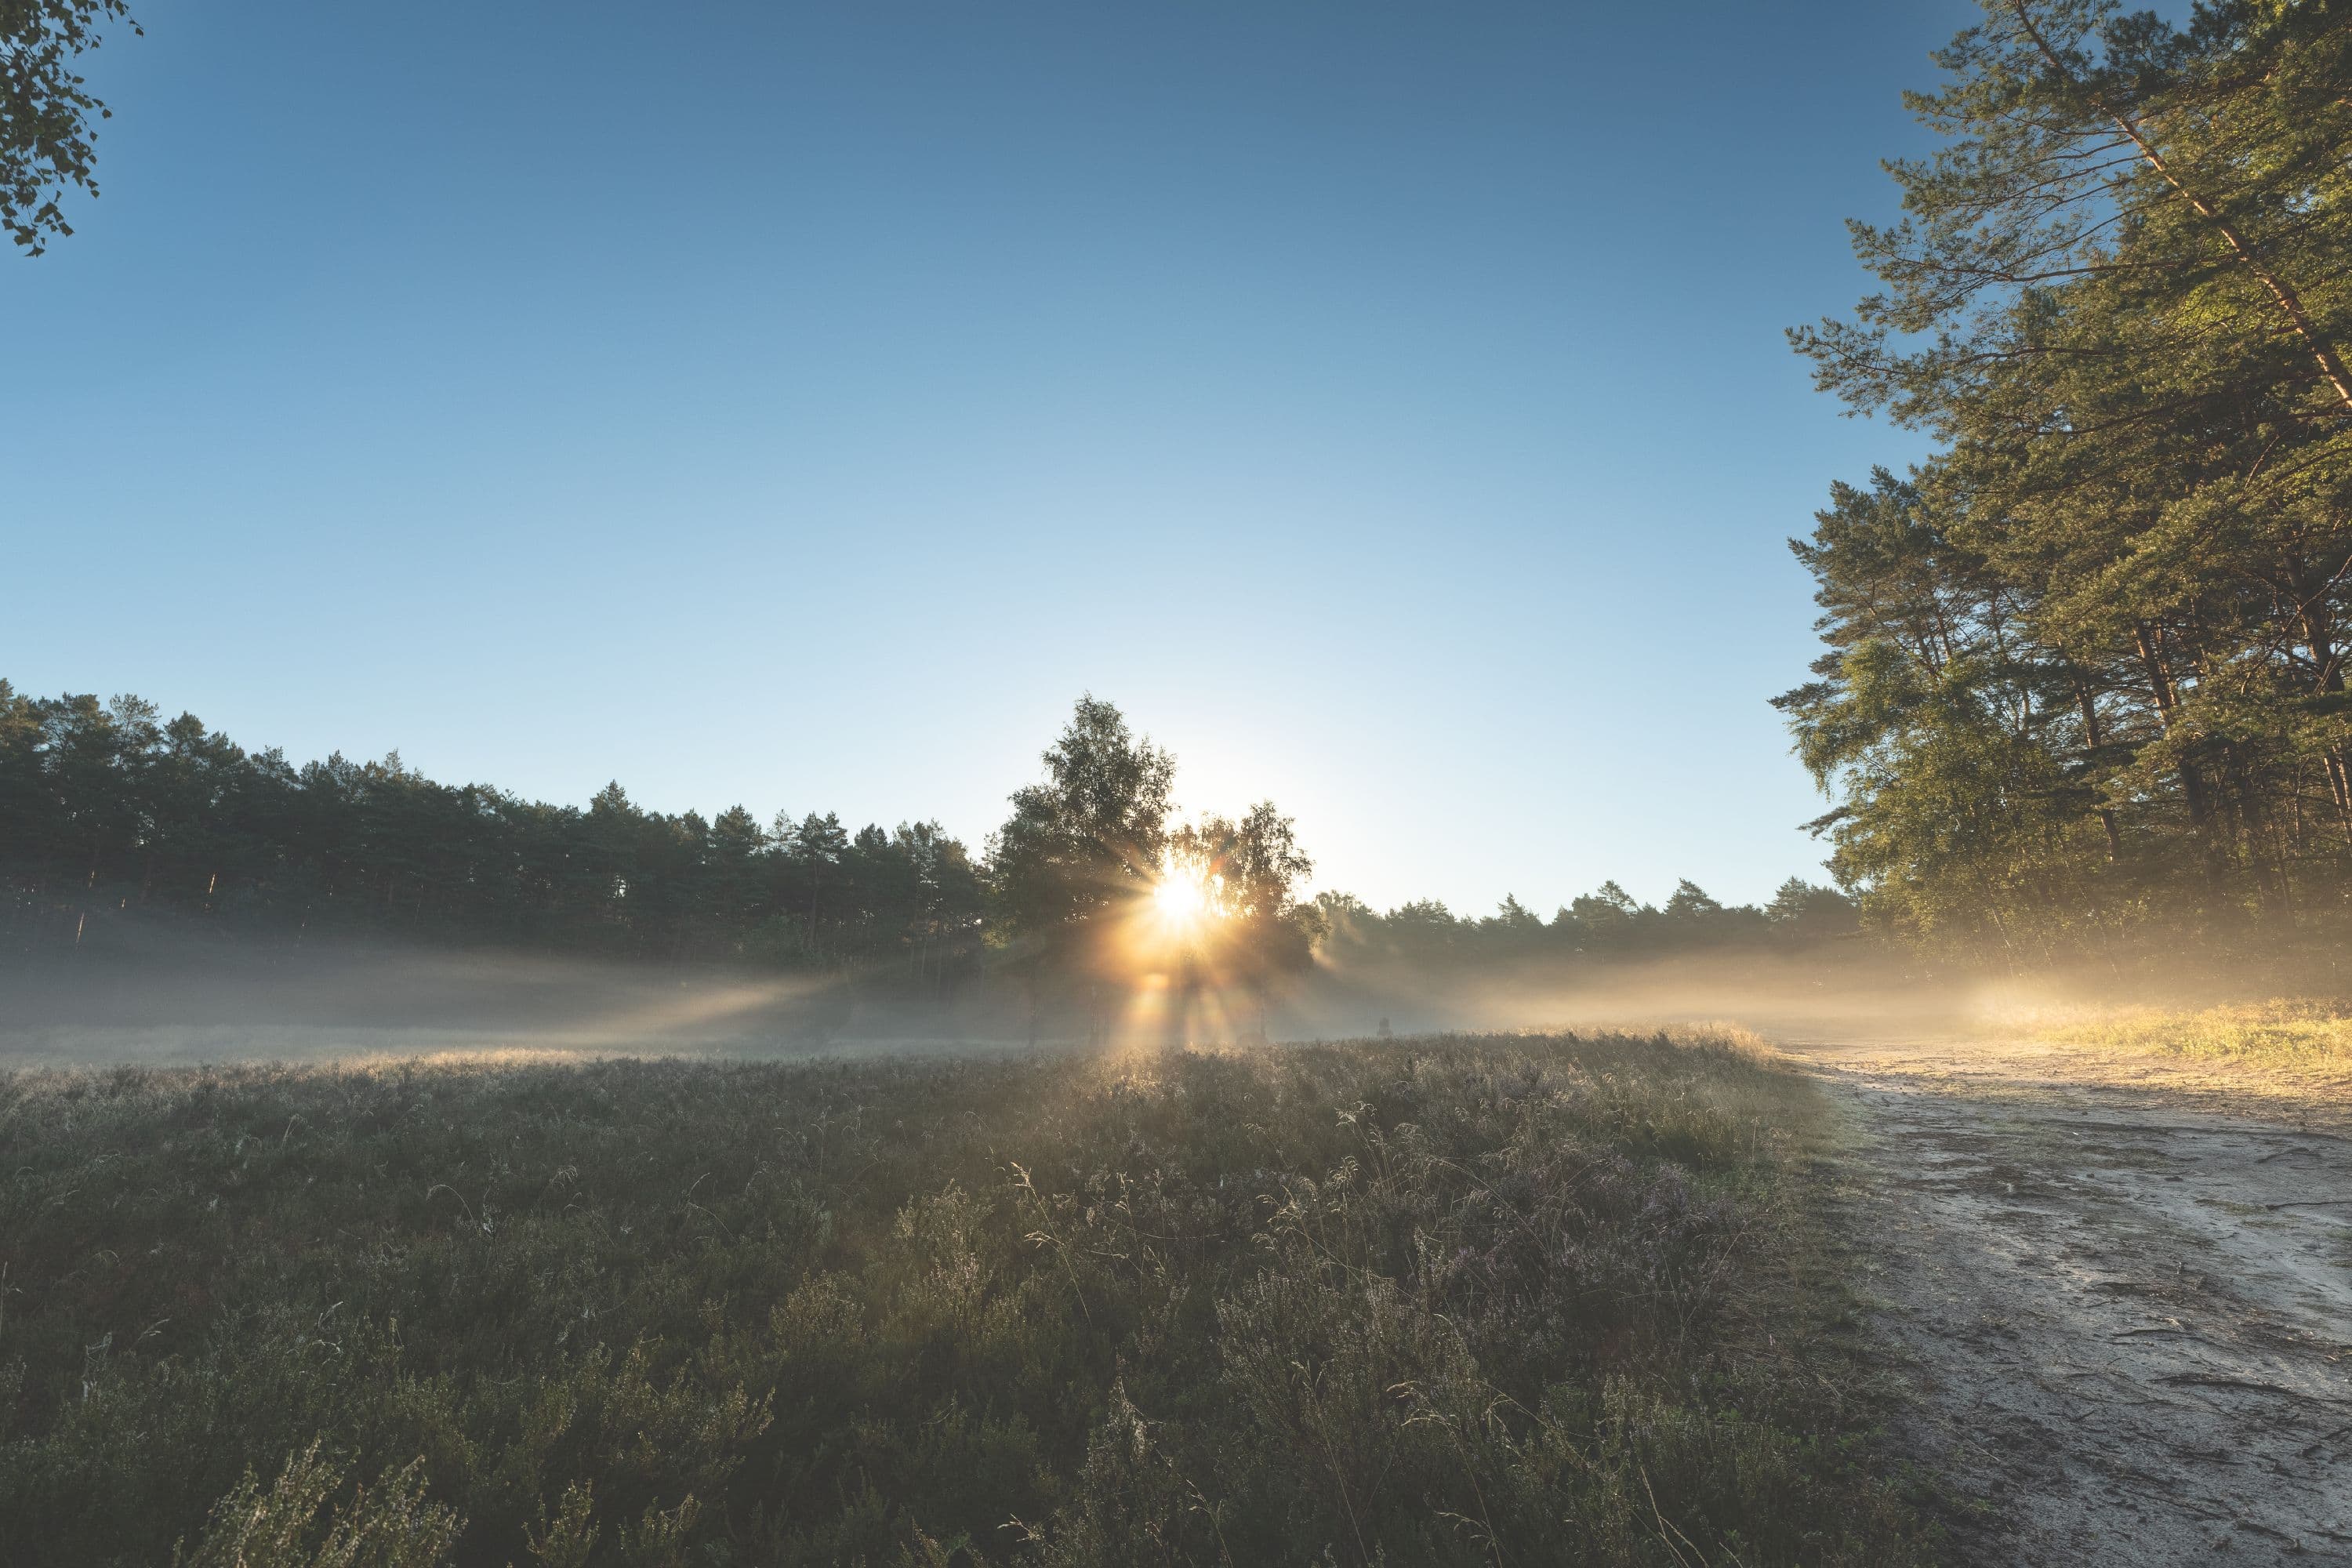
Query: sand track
(2126, 1293)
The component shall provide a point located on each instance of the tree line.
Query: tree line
(106, 808)
(2084, 666)
(109, 813)
(1606, 923)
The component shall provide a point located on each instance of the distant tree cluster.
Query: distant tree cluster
(105, 808)
(1076, 871)
(1602, 925)
(2085, 666)
(108, 812)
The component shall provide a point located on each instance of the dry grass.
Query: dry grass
(2289, 1031)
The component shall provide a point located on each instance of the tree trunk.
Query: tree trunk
(2269, 869)
(2192, 781)
(2327, 677)
(2091, 742)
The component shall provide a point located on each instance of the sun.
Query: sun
(1182, 897)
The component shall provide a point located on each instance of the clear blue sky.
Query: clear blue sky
(1385, 405)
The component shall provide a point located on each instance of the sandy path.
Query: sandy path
(2127, 1291)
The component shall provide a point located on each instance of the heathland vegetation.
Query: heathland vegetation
(1464, 1301)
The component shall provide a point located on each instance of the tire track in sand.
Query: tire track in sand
(2126, 1306)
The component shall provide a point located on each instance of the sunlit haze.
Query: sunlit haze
(1387, 407)
(1182, 898)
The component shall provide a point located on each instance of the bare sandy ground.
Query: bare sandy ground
(2124, 1286)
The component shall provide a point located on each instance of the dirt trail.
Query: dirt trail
(2127, 1291)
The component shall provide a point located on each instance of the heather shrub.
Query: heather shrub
(1443, 1300)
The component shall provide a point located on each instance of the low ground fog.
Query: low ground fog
(186, 1004)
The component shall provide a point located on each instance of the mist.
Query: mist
(159, 996)
(161, 1000)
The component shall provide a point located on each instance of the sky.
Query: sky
(1386, 405)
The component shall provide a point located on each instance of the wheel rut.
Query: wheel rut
(2126, 1309)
